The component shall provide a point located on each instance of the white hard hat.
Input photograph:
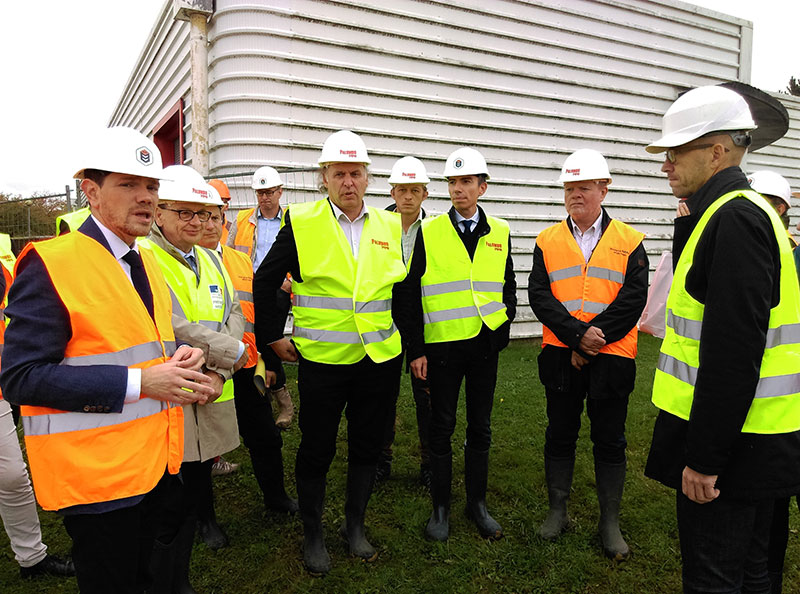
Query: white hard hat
(215, 196)
(701, 111)
(408, 170)
(344, 146)
(266, 177)
(184, 184)
(122, 150)
(465, 161)
(771, 184)
(584, 164)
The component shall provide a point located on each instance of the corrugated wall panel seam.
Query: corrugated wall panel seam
(379, 91)
(156, 32)
(505, 16)
(527, 58)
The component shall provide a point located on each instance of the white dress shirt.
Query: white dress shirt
(474, 218)
(352, 229)
(587, 240)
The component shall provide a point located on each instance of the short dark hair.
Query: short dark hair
(98, 176)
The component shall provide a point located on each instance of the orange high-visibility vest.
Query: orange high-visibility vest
(7, 264)
(226, 227)
(588, 288)
(245, 232)
(240, 269)
(86, 457)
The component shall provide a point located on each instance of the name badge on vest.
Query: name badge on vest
(217, 300)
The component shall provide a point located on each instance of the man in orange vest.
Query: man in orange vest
(91, 356)
(225, 195)
(253, 233)
(253, 411)
(588, 287)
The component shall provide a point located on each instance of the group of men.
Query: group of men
(114, 341)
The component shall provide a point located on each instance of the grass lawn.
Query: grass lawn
(265, 551)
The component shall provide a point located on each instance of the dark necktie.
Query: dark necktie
(193, 265)
(139, 278)
(467, 224)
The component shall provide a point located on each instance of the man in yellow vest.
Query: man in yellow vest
(253, 233)
(253, 411)
(777, 191)
(344, 258)
(210, 317)
(587, 286)
(463, 279)
(89, 356)
(727, 435)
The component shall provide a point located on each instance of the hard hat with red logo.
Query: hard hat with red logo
(408, 170)
(465, 161)
(221, 187)
(186, 185)
(584, 164)
(702, 111)
(266, 177)
(771, 184)
(344, 146)
(122, 150)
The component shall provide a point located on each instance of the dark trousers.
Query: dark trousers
(606, 415)
(422, 403)
(257, 427)
(112, 550)
(198, 490)
(363, 391)
(474, 361)
(724, 545)
(779, 533)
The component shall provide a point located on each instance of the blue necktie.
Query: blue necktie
(193, 265)
(467, 224)
(139, 279)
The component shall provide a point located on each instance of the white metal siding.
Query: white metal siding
(525, 81)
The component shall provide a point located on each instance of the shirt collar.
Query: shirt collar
(476, 217)
(339, 213)
(118, 247)
(277, 217)
(593, 228)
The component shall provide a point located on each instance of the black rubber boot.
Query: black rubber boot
(558, 474)
(476, 472)
(311, 498)
(610, 479)
(438, 527)
(212, 533)
(268, 469)
(359, 488)
(183, 556)
(775, 582)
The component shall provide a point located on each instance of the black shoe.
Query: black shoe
(212, 534)
(383, 471)
(285, 505)
(50, 565)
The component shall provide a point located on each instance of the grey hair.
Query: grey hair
(321, 172)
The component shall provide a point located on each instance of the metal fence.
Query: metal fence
(299, 185)
(28, 219)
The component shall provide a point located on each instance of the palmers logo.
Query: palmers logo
(203, 193)
(351, 154)
(498, 247)
(382, 244)
(573, 171)
(409, 175)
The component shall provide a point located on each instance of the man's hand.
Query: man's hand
(700, 488)
(189, 358)
(592, 341)
(216, 381)
(683, 209)
(242, 360)
(284, 349)
(419, 367)
(270, 377)
(577, 361)
(172, 383)
(286, 287)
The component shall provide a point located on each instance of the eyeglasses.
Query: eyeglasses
(673, 153)
(187, 215)
(268, 193)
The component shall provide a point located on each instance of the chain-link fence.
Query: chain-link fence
(27, 219)
(300, 185)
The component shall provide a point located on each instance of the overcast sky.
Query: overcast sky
(63, 66)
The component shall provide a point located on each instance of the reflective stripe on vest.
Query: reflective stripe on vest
(245, 233)
(240, 270)
(336, 319)
(456, 309)
(198, 302)
(85, 457)
(776, 404)
(586, 289)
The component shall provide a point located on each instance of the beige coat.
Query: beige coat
(209, 430)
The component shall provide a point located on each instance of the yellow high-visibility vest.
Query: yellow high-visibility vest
(776, 405)
(73, 219)
(459, 295)
(343, 307)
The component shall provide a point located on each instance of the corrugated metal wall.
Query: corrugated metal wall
(525, 81)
